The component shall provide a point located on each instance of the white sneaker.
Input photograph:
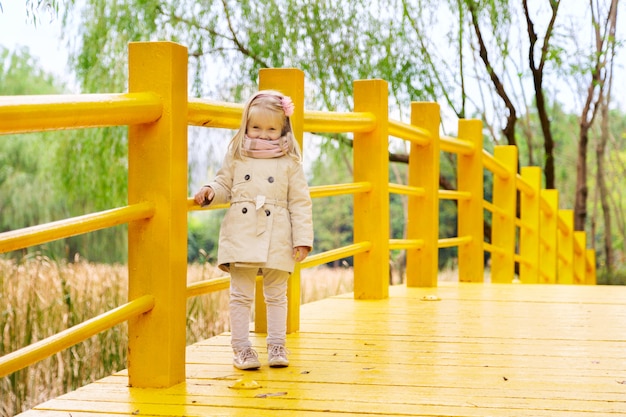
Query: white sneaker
(246, 359)
(277, 356)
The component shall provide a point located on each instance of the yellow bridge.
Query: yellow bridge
(457, 349)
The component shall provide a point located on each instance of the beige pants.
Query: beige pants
(242, 286)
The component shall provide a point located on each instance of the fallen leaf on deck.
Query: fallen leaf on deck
(245, 384)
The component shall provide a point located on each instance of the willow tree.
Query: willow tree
(475, 58)
(424, 49)
(29, 194)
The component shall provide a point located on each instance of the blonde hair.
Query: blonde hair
(267, 103)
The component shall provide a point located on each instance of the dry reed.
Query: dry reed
(40, 297)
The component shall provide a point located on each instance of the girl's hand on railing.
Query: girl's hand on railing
(204, 196)
(300, 252)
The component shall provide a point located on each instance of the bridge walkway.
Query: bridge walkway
(459, 349)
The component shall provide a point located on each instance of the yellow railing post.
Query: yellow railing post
(503, 221)
(529, 234)
(580, 255)
(470, 211)
(590, 267)
(289, 81)
(157, 248)
(371, 210)
(422, 267)
(548, 230)
(565, 272)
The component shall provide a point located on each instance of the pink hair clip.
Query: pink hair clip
(287, 104)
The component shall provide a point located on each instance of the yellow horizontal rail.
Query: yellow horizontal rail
(578, 250)
(521, 260)
(192, 206)
(495, 166)
(23, 114)
(409, 132)
(493, 249)
(336, 122)
(495, 210)
(525, 225)
(395, 244)
(545, 207)
(454, 195)
(458, 146)
(207, 286)
(339, 189)
(334, 254)
(211, 285)
(524, 186)
(406, 190)
(317, 191)
(453, 241)
(563, 226)
(37, 351)
(36, 235)
(578, 277)
(208, 113)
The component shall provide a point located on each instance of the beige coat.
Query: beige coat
(269, 215)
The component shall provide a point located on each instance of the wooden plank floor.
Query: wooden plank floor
(481, 350)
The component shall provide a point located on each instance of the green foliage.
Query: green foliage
(424, 49)
(21, 73)
(332, 216)
(35, 8)
(203, 236)
(28, 182)
(53, 175)
(93, 178)
(611, 278)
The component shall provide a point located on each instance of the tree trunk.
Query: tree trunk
(548, 142)
(537, 72)
(601, 184)
(580, 204)
(605, 43)
(511, 120)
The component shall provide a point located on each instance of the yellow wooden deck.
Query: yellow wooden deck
(481, 350)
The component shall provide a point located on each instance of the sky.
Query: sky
(43, 40)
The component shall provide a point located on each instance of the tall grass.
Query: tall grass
(40, 297)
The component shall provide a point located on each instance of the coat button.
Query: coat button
(271, 179)
(244, 210)
(247, 177)
(267, 212)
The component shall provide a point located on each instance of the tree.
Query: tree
(34, 8)
(43, 176)
(26, 161)
(537, 70)
(604, 23)
(461, 53)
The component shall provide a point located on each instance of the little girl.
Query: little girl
(268, 227)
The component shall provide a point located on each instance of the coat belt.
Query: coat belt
(260, 201)
(262, 218)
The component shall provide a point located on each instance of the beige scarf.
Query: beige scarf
(264, 149)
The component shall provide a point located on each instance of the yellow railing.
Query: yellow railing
(158, 112)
